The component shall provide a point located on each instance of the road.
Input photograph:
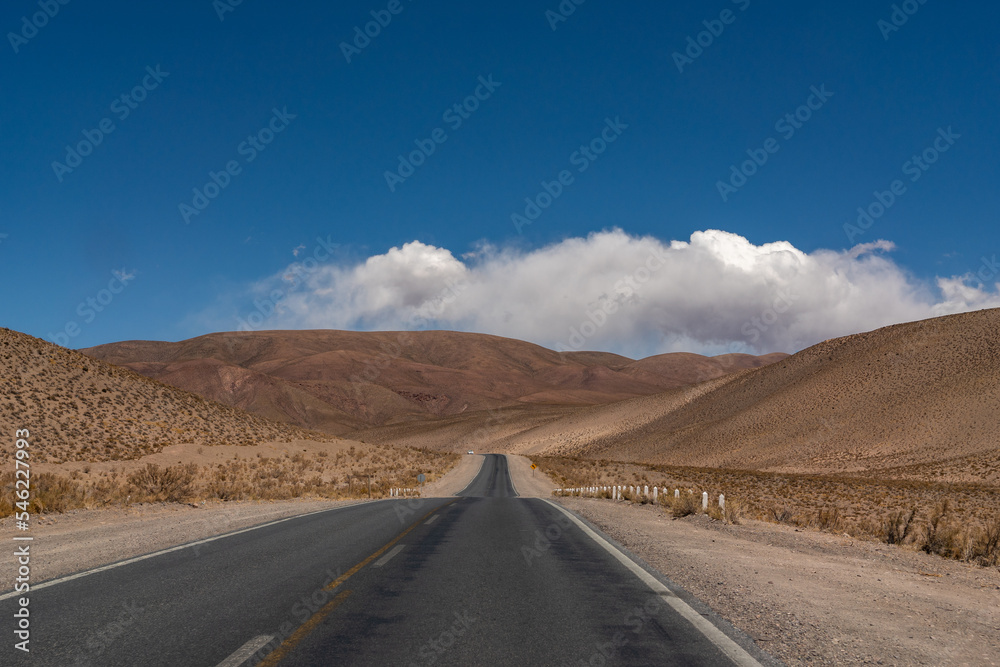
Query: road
(486, 578)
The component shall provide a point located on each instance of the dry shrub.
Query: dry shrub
(51, 493)
(828, 519)
(940, 535)
(172, 484)
(898, 526)
(780, 514)
(686, 505)
(734, 511)
(986, 545)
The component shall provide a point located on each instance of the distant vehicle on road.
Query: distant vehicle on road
(471, 452)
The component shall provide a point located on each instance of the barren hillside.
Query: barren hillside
(80, 408)
(914, 400)
(339, 381)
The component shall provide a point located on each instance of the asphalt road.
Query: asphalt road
(483, 579)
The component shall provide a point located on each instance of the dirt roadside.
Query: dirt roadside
(83, 539)
(455, 479)
(529, 483)
(811, 598)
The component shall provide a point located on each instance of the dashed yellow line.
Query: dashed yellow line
(303, 630)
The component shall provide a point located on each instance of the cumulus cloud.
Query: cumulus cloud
(613, 291)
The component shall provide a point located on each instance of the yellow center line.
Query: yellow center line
(303, 630)
(300, 633)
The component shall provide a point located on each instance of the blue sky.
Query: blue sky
(223, 76)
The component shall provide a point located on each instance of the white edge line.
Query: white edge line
(482, 460)
(511, 477)
(731, 649)
(104, 568)
(386, 558)
(245, 652)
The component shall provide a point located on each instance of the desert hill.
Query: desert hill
(339, 381)
(79, 408)
(918, 400)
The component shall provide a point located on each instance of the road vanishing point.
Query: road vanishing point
(483, 578)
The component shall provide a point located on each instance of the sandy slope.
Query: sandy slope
(917, 400)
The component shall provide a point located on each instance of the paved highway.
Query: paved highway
(486, 578)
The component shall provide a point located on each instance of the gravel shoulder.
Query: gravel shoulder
(84, 539)
(455, 479)
(529, 483)
(80, 540)
(811, 598)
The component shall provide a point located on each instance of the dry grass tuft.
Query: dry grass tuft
(686, 505)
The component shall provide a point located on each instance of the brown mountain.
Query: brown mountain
(339, 380)
(914, 400)
(80, 408)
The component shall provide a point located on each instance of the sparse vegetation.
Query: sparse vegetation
(92, 411)
(686, 505)
(250, 478)
(960, 521)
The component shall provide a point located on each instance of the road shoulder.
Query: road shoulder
(812, 598)
(528, 483)
(455, 479)
(84, 539)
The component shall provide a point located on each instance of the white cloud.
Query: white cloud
(634, 295)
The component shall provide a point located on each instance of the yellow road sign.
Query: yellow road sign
(533, 466)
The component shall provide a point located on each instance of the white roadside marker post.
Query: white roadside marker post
(704, 501)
